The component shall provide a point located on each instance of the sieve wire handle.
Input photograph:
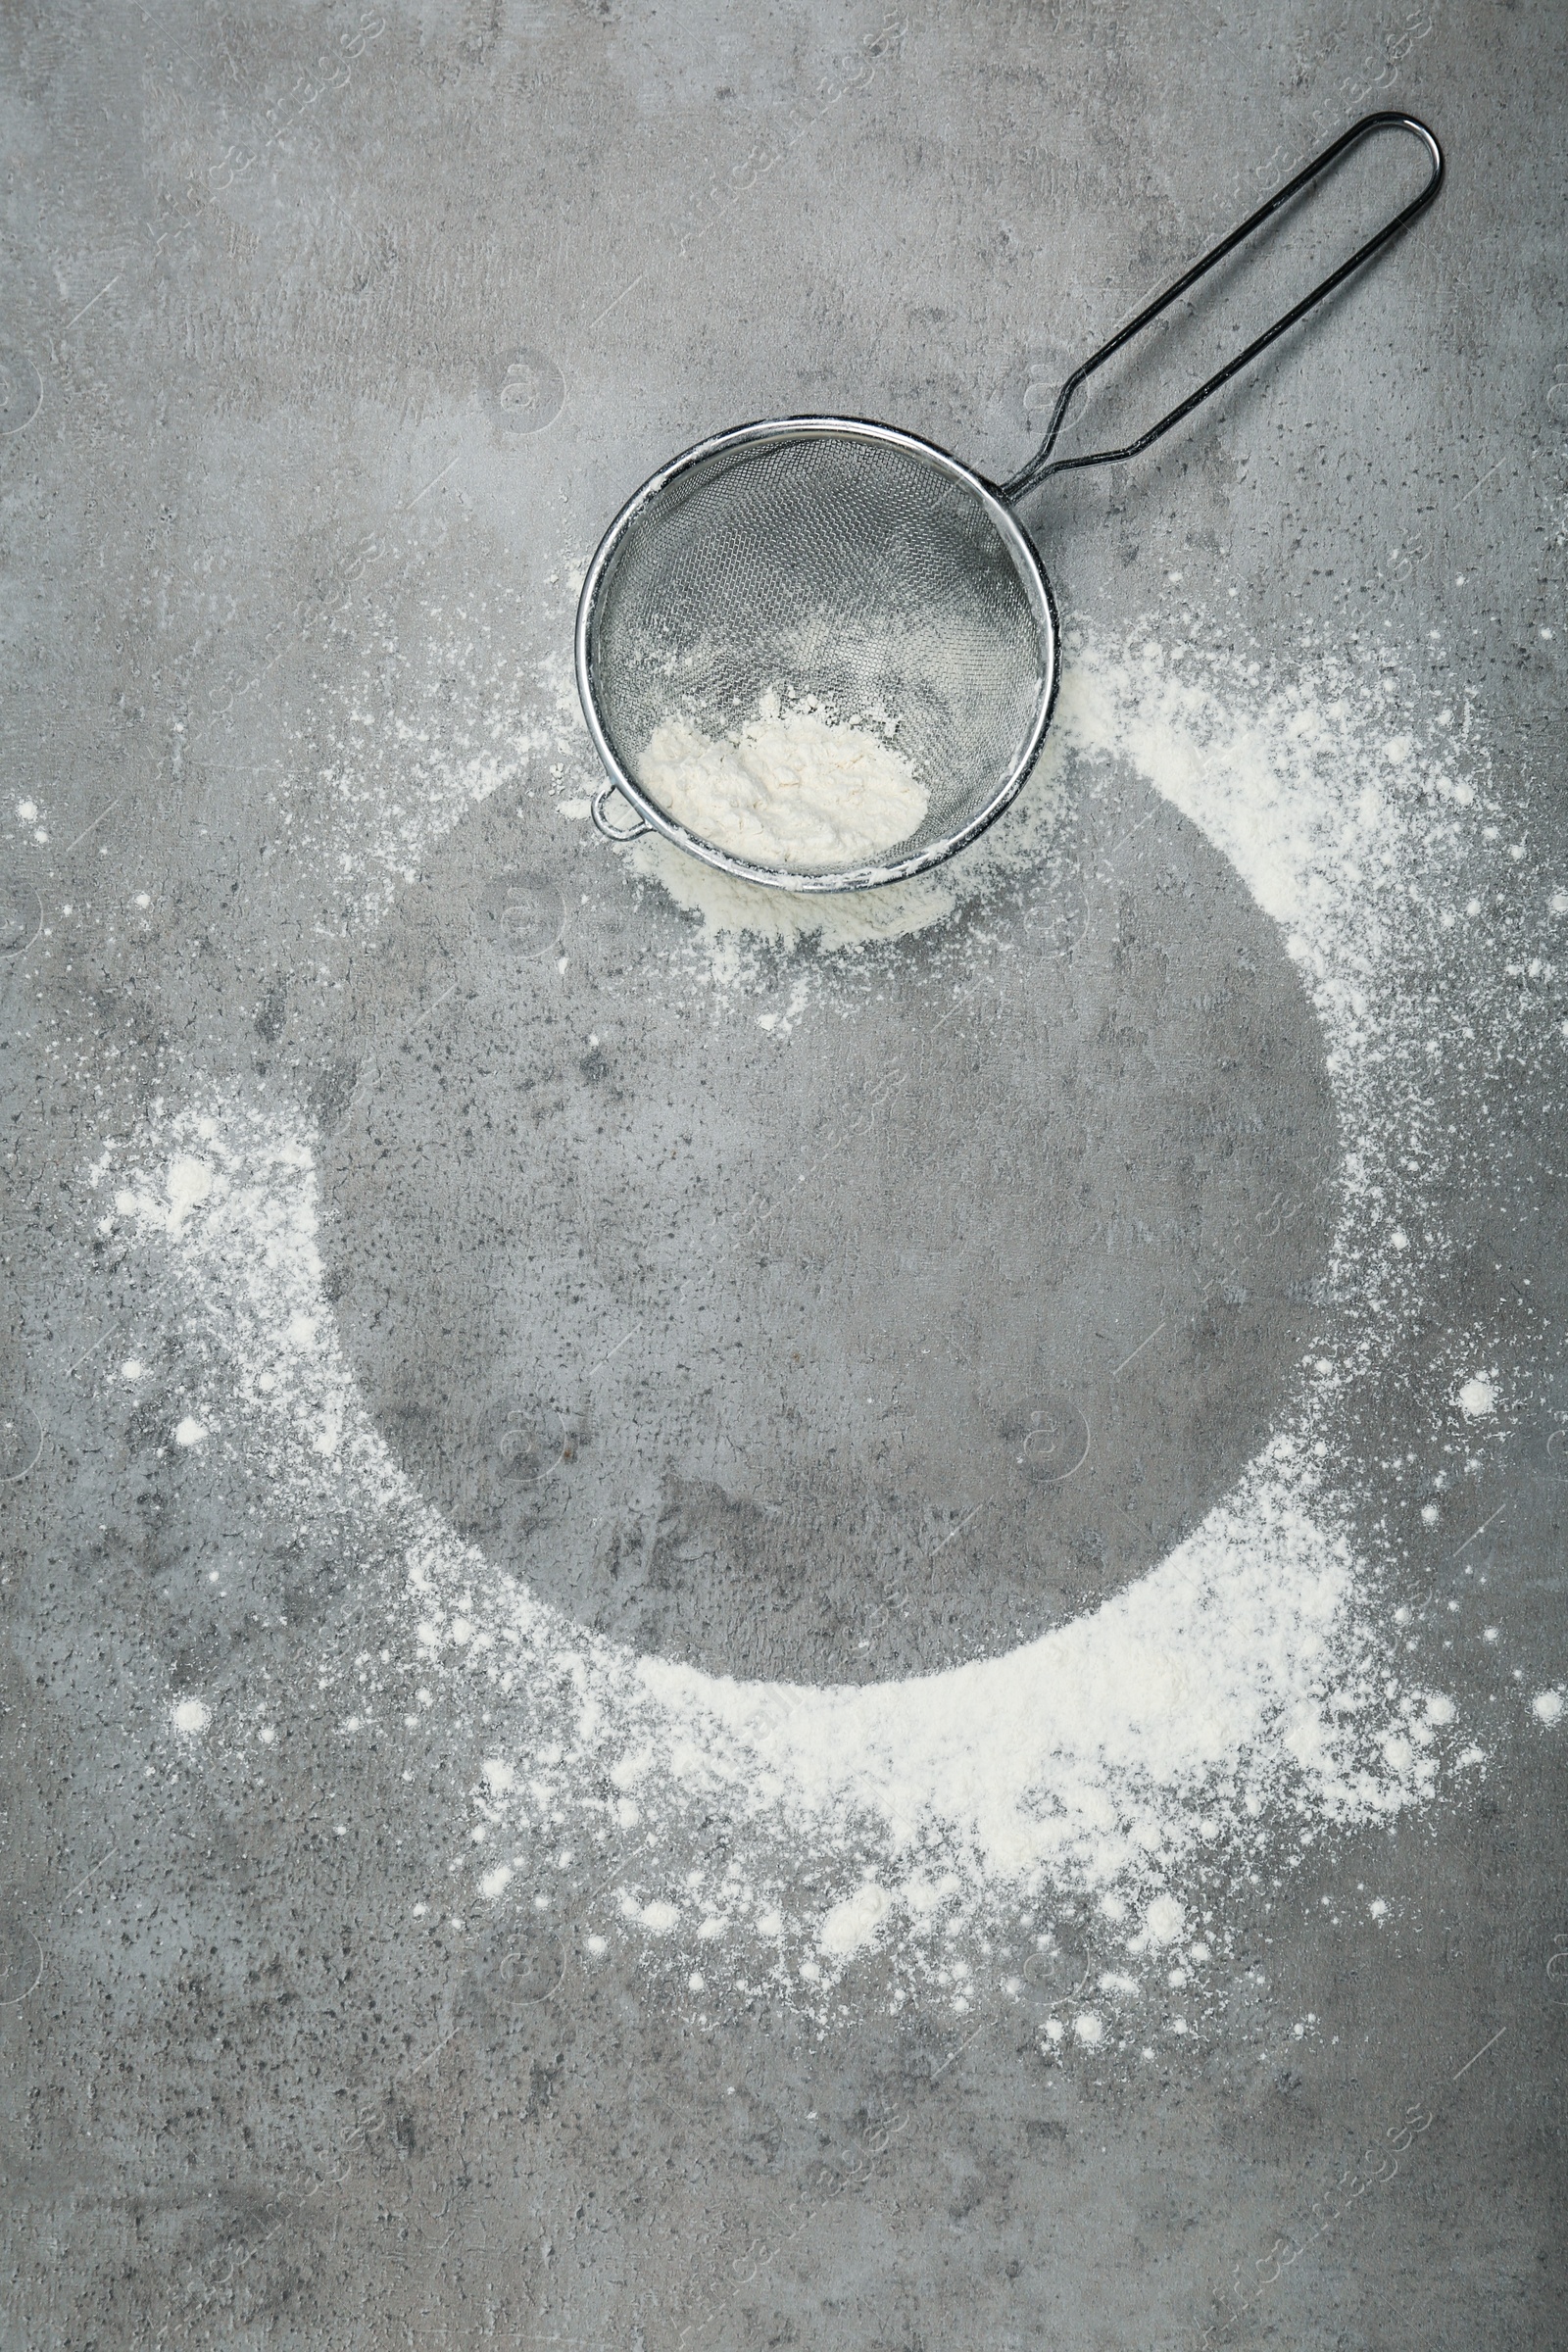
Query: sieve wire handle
(1042, 465)
(598, 807)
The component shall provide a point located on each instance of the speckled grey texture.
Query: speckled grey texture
(318, 320)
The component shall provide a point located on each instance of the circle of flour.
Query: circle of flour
(1233, 1688)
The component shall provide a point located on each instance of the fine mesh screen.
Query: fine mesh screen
(822, 564)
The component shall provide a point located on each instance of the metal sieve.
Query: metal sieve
(867, 572)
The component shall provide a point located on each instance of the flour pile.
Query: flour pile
(790, 788)
(1204, 1727)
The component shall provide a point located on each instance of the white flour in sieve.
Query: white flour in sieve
(1247, 1694)
(789, 789)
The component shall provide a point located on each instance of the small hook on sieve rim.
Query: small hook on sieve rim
(600, 809)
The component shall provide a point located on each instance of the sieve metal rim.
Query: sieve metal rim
(1026, 561)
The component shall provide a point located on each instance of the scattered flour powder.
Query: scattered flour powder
(790, 788)
(1251, 1690)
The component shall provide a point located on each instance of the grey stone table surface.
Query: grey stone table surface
(332, 338)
